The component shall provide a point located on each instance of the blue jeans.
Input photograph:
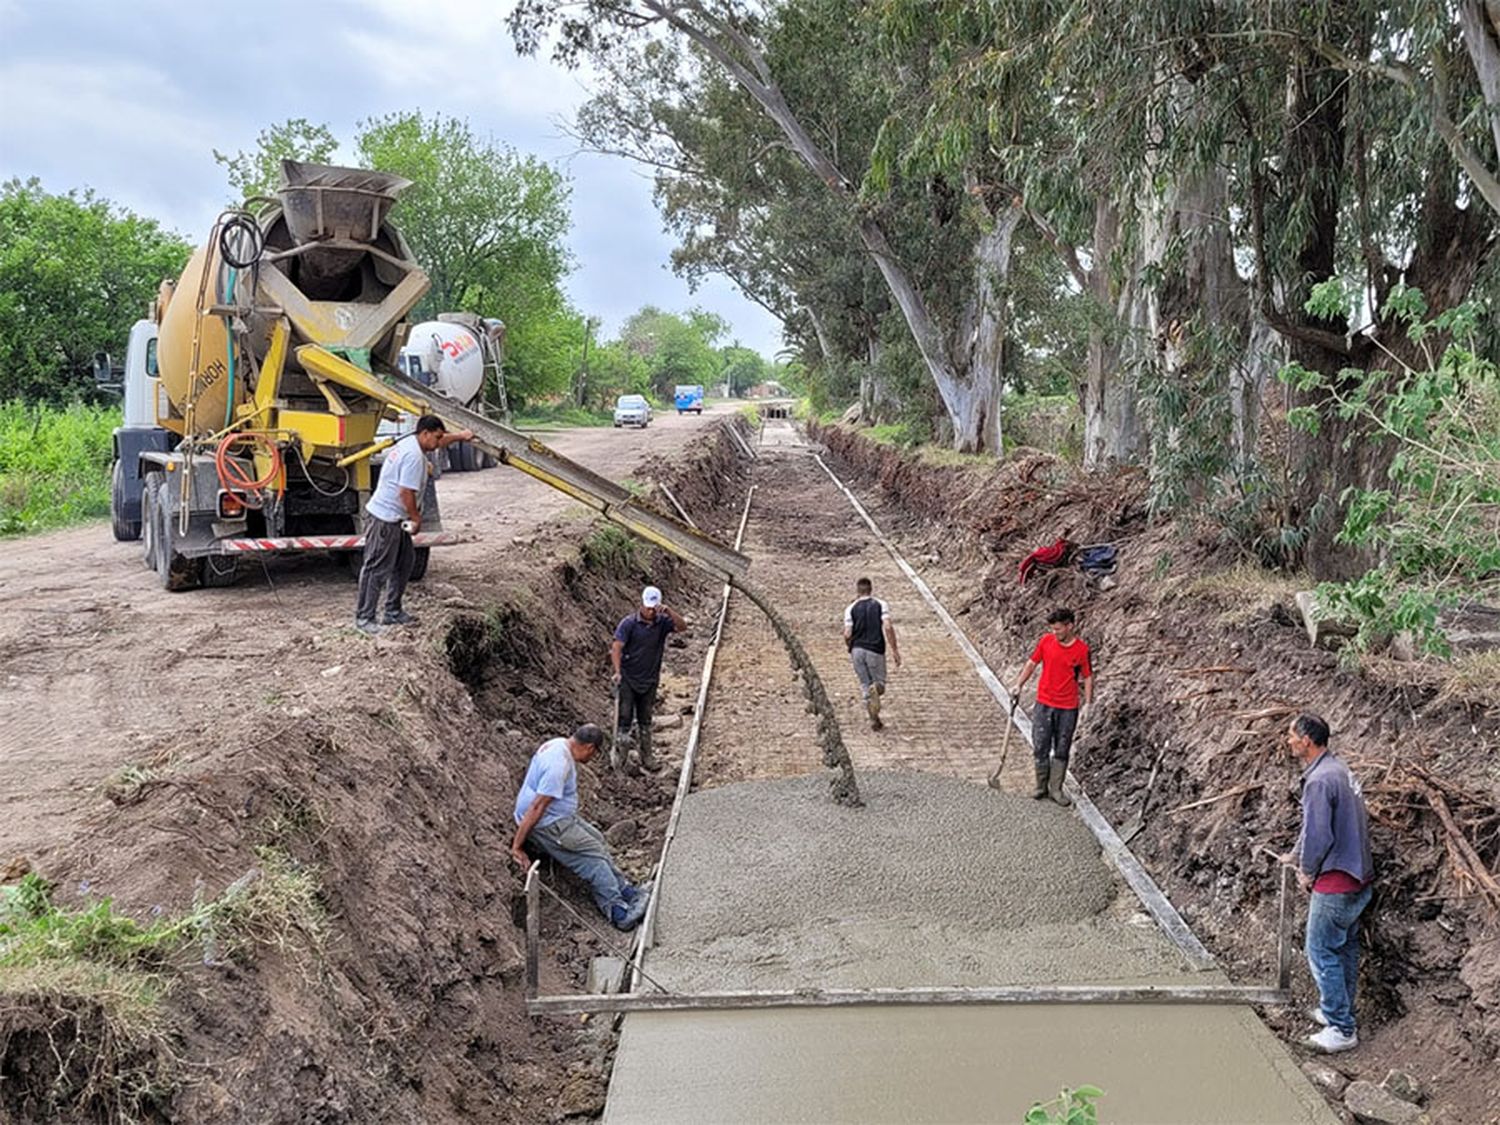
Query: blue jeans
(1333, 952)
(582, 849)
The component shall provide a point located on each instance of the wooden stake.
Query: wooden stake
(533, 931)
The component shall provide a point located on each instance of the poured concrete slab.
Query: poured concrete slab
(1158, 1065)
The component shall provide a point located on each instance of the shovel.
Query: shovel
(1132, 827)
(614, 732)
(1010, 727)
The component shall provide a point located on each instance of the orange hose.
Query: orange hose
(235, 479)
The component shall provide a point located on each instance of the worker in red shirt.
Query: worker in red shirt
(1064, 657)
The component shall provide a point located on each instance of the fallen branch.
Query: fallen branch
(1237, 791)
(1468, 865)
(1214, 670)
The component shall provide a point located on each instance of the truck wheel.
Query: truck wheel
(126, 531)
(149, 531)
(175, 571)
(419, 564)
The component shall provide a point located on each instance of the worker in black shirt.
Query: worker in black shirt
(867, 632)
(636, 654)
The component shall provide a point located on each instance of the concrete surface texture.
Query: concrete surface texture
(936, 881)
(831, 1066)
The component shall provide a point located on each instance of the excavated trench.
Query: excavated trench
(386, 775)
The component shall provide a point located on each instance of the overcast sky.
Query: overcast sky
(131, 97)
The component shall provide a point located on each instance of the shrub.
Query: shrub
(54, 465)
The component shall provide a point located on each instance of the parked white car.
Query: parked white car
(632, 410)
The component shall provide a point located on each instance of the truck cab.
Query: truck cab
(139, 383)
(688, 397)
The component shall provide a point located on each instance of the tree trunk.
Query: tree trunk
(1112, 431)
(1197, 320)
(963, 388)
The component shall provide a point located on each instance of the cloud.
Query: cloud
(133, 99)
(129, 120)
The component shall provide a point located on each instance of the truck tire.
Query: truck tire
(176, 572)
(126, 531)
(148, 519)
(419, 564)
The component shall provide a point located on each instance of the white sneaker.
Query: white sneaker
(1331, 1041)
(1317, 1016)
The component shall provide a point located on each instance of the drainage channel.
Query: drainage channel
(947, 953)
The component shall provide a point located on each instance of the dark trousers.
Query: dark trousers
(389, 555)
(1052, 732)
(637, 704)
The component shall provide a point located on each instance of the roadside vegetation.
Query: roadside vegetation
(96, 978)
(1170, 210)
(54, 464)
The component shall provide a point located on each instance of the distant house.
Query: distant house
(771, 389)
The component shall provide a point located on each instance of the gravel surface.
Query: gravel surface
(936, 881)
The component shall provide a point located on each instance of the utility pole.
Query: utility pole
(583, 373)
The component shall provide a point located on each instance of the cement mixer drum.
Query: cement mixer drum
(445, 357)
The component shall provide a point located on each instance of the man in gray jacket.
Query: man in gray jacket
(1333, 864)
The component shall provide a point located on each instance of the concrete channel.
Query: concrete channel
(937, 882)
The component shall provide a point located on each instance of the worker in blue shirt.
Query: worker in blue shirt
(636, 655)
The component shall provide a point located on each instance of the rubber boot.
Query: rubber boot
(1055, 776)
(1041, 781)
(872, 705)
(649, 761)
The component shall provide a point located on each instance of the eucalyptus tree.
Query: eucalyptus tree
(958, 329)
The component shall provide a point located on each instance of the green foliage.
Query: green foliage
(611, 550)
(278, 901)
(258, 173)
(1436, 526)
(1050, 422)
(560, 416)
(675, 349)
(76, 272)
(488, 224)
(54, 465)
(1071, 1107)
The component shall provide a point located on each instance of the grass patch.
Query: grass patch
(560, 416)
(610, 550)
(901, 434)
(1473, 678)
(54, 465)
(1242, 591)
(271, 904)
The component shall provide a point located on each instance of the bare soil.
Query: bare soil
(1208, 674)
(253, 716)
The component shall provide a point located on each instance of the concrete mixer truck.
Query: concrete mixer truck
(457, 356)
(252, 403)
(255, 397)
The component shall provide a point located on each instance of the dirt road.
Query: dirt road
(102, 670)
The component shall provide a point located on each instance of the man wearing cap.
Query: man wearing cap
(392, 516)
(547, 814)
(640, 641)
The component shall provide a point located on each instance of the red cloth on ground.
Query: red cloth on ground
(1044, 556)
(1062, 665)
(1337, 883)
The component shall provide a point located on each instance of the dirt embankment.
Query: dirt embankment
(1202, 663)
(388, 770)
